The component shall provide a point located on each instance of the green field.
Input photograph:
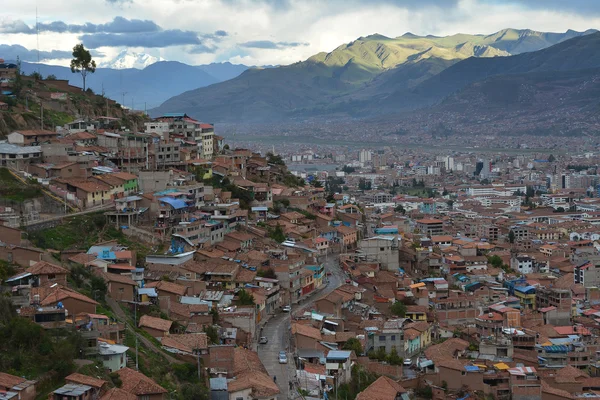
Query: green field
(14, 190)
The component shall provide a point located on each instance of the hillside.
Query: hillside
(575, 54)
(24, 110)
(351, 77)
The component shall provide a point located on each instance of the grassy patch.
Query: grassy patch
(13, 189)
(83, 231)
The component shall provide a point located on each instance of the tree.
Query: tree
(398, 309)
(212, 334)
(277, 234)
(399, 208)
(36, 75)
(348, 169)
(393, 358)
(495, 261)
(353, 344)
(266, 273)
(317, 184)
(245, 298)
(51, 77)
(511, 237)
(215, 315)
(274, 159)
(551, 158)
(450, 204)
(82, 62)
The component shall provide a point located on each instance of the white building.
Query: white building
(365, 156)
(113, 356)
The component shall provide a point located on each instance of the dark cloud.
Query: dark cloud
(11, 52)
(117, 25)
(174, 37)
(268, 44)
(582, 7)
(16, 26)
(221, 33)
(202, 49)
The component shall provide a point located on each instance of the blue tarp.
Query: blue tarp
(471, 368)
(175, 203)
(525, 289)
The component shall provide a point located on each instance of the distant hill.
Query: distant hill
(356, 78)
(152, 85)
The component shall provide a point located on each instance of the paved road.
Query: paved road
(277, 330)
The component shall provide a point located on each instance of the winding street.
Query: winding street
(277, 330)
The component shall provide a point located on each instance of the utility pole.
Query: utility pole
(136, 337)
(41, 115)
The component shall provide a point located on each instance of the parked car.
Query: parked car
(282, 357)
(286, 308)
(407, 362)
(328, 273)
(263, 340)
(348, 281)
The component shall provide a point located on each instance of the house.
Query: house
(157, 327)
(250, 378)
(306, 337)
(193, 344)
(347, 236)
(120, 287)
(118, 394)
(430, 226)
(338, 363)
(168, 292)
(74, 391)
(79, 379)
(383, 388)
(25, 389)
(140, 385)
(10, 236)
(330, 304)
(113, 356)
(89, 193)
(31, 137)
(61, 297)
(15, 156)
(24, 256)
(416, 313)
(45, 274)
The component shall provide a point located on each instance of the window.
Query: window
(381, 249)
(382, 338)
(121, 290)
(51, 276)
(393, 337)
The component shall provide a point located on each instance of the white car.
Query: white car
(282, 357)
(407, 362)
(286, 308)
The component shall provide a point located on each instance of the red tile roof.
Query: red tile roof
(138, 384)
(85, 380)
(155, 323)
(383, 388)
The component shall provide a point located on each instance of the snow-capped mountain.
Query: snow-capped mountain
(129, 59)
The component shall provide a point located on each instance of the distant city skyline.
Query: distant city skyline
(263, 32)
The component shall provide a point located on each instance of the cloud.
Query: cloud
(202, 49)
(173, 37)
(14, 26)
(11, 52)
(118, 2)
(117, 25)
(580, 7)
(221, 33)
(268, 44)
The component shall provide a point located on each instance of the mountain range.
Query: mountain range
(376, 74)
(130, 59)
(147, 87)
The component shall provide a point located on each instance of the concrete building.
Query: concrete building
(383, 249)
(113, 356)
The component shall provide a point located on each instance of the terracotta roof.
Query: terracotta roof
(52, 295)
(36, 132)
(305, 330)
(82, 258)
(570, 374)
(85, 380)
(8, 380)
(119, 279)
(262, 384)
(246, 360)
(345, 230)
(383, 388)
(187, 342)
(546, 388)
(118, 394)
(138, 383)
(446, 350)
(45, 268)
(170, 287)
(155, 323)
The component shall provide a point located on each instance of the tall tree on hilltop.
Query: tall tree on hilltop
(82, 62)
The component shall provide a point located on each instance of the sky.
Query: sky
(260, 32)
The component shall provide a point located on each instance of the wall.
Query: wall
(154, 332)
(120, 291)
(393, 371)
(10, 235)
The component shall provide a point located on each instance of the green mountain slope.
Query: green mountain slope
(575, 54)
(345, 80)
